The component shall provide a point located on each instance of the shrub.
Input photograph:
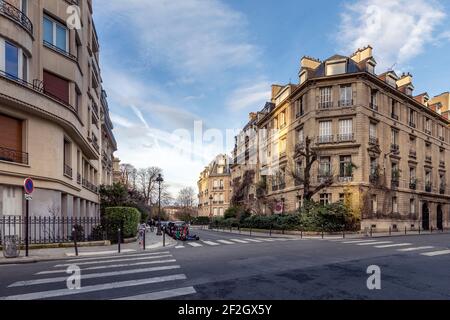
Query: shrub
(121, 217)
(231, 212)
(201, 221)
(331, 217)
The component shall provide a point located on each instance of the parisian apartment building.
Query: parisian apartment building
(54, 118)
(214, 187)
(384, 147)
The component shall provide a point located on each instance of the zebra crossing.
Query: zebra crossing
(137, 276)
(404, 247)
(229, 242)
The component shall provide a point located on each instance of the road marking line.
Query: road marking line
(239, 241)
(358, 241)
(100, 287)
(98, 253)
(394, 245)
(194, 244)
(111, 266)
(225, 242)
(211, 243)
(415, 249)
(373, 243)
(436, 253)
(253, 240)
(91, 276)
(267, 240)
(162, 294)
(112, 261)
(119, 256)
(180, 247)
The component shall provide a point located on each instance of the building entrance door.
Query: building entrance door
(425, 217)
(440, 218)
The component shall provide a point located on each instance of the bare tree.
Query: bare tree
(129, 175)
(147, 184)
(186, 197)
(309, 155)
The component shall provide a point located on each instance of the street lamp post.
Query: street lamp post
(159, 180)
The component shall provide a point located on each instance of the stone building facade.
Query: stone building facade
(54, 116)
(384, 147)
(214, 187)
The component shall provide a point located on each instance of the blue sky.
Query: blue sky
(168, 64)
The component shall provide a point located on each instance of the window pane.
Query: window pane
(11, 60)
(61, 40)
(48, 31)
(336, 68)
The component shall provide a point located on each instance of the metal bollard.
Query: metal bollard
(239, 229)
(75, 241)
(143, 241)
(405, 230)
(431, 229)
(322, 232)
(270, 231)
(301, 234)
(390, 231)
(419, 228)
(119, 240)
(371, 232)
(164, 239)
(250, 231)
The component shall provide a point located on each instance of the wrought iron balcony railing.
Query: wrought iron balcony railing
(68, 171)
(325, 139)
(326, 105)
(16, 15)
(346, 137)
(59, 50)
(442, 188)
(373, 106)
(345, 103)
(78, 178)
(413, 184)
(428, 159)
(11, 155)
(413, 153)
(395, 183)
(373, 141)
(412, 124)
(427, 131)
(395, 148)
(428, 187)
(442, 164)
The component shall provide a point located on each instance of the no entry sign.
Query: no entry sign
(28, 186)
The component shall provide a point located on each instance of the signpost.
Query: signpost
(28, 187)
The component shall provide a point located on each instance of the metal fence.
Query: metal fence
(46, 230)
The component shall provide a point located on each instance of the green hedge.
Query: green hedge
(312, 217)
(121, 217)
(200, 221)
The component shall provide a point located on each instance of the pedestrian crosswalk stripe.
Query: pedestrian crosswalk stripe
(92, 276)
(358, 241)
(119, 256)
(162, 294)
(436, 253)
(94, 288)
(225, 242)
(111, 266)
(98, 253)
(211, 243)
(194, 244)
(253, 240)
(113, 261)
(416, 249)
(179, 247)
(267, 240)
(394, 245)
(239, 241)
(373, 243)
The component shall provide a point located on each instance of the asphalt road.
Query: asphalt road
(233, 266)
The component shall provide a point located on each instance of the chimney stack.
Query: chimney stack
(362, 54)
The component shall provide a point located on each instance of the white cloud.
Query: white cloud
(189, 36)
(253, 95)
(399, 30)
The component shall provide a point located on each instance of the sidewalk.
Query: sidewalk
(152, 241)
(318, 235)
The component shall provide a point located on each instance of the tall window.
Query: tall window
(283, 146)
(325, 97)
(346, 130)
(56, 34)
(373, 99)
(412, 118)
(299, 107)
(300, 136)
(346, 95)
(412, 206)
(427, 177)
(275, 123)
(11, 60)
(394, 138)
(373, 166)
(325, 167)
(427, 125)
(394, 109)
(373, 136)
(345, 166)
(325, 132)
(282, 119)
(412, 175)
(394, 205)
(374, 204)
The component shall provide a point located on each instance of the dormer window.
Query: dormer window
(303, 76)
(409, 91)
(335, 68)
(391, 81)
(370, 68)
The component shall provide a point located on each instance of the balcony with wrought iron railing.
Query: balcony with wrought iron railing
(345, 103)
(89, 186)
(59, 50)
(395, 183)
(14, 14)
(346, 137)
(326, 105)
(428, 159)
(68, 171)
(78, 178)
(428, 132)
(395, 148)
(428, 187)
(373, 140)
(412, 124)
(345, 179)
(325, 139)
(412, 153)
(14, 156)
(413, 184)
(373, 106)
(442, 164)
(442, 188)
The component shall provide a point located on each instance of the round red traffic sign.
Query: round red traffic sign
(28, 185)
